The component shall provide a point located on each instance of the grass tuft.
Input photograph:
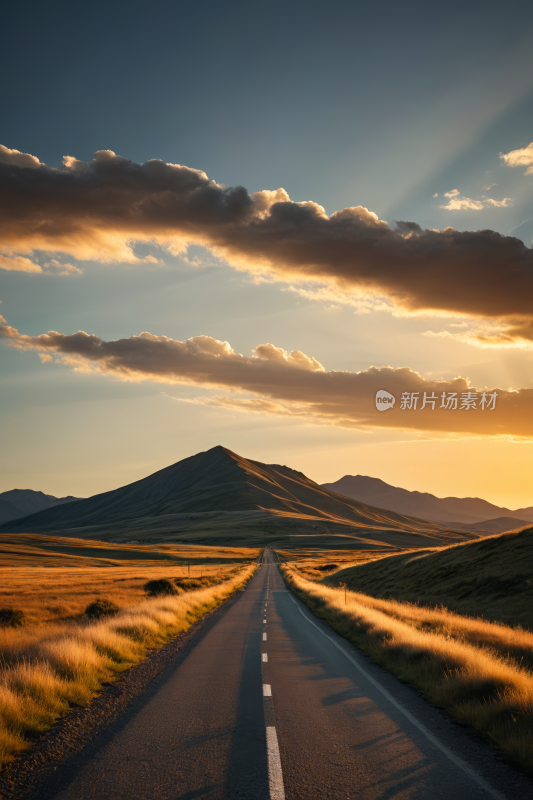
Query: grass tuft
(159, 586)
(101, 608)
(11, 618)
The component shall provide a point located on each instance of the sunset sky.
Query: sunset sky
(234, 223)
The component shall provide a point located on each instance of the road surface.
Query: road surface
(272, 704)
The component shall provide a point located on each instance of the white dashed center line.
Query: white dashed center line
(275, 775)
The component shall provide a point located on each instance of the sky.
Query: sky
(236, 223)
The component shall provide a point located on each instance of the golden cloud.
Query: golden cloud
(520, 158)
(292, 384)
(512, 334)
(101, 209)
(18, 159)
(458, 203)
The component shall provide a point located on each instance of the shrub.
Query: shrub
(159, 586)
(101, 608)
(11, 618)
(190, 583)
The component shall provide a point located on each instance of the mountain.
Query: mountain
(9, 511)
(447, 510)
(18, 503)
(220, 496)
(499, 525)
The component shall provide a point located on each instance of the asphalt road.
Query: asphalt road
(271, 703)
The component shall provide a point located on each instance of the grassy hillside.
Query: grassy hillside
(492, 577)
(218, 496)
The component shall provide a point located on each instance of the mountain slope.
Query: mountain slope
(9, 511)
(447, 510)
(498, 525)
(489, 577)
(221, 494)
(27, 501)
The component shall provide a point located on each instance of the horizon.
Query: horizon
(325, 483)
(255, 244)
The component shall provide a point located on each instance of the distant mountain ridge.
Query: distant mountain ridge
(444, 510)
(221, 496)
(17, 503)
(499, 525)
(9, 511)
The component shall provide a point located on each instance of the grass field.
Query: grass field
(317, 563)
(480, 671)
(53, 579)
(59, 657)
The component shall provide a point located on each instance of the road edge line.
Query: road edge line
(422, 728)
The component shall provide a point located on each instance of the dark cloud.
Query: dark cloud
(407, 227)
(99, 210)
(287, 384)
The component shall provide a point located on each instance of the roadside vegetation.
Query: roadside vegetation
(480, 671)
(64, 632)
(490, 577)
(52, 580)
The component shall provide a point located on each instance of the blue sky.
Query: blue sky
(341, 104)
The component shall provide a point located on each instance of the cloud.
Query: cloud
(14, 263)
(458, 203)
(63, 269)
(463, 204)
(18, 159)
(520, 158)
(511, 335)
(283, 383)
(101, 209)
(364, 303)
(507, 201)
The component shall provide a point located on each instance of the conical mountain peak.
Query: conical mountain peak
(218, 492)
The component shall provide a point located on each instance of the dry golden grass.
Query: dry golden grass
(318, 563)
(477, 670)
(59, 657)
(53, 586)
(490, 577)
